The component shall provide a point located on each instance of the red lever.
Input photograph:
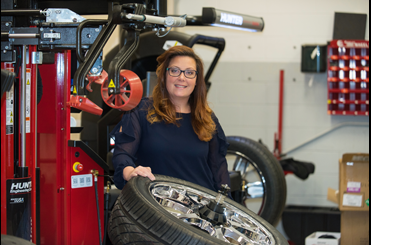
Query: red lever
(99, 79)
(84, 104)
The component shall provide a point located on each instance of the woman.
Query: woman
(174, 132)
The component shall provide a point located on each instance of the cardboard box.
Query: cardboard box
(354, 228)
(354, 182)
(314, 238)
(333, 195)
(353, 199)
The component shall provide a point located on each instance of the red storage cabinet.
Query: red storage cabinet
(348, 77)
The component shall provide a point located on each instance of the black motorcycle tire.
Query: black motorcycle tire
(275, 182)
(137, 218)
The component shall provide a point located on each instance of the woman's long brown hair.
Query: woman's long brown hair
(163, 109)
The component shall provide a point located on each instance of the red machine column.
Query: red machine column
(67, 192)
(18, 141)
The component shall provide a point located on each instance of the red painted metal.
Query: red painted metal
(349, 43)
(131, 91)
(3, 166)
(84, 104)
(278, 136)
(52, 144)
(50, 153)
(281, 83)
(83, 213)
(347, 112)
(8, 144)
(31, 137)
(7, 157)
(348, 77)
(7, 141)
(98, 79)
(68, 215)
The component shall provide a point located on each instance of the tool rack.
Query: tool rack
(348, 77)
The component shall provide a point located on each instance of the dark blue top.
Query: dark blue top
(169, 150)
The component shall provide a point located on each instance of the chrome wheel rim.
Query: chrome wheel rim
(184, 202)
(255, 183)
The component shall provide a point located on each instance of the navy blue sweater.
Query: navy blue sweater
(169, 150)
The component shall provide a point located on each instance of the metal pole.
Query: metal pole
(35, 105)
(24, 35)
(280, 122)
(324, 133)
(23, 108)
(278, 135)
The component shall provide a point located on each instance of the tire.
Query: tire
(268, 172)
(138, 218)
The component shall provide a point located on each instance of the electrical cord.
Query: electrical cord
(110, 177)
(158, 30)
(159, 35)
(105, 224)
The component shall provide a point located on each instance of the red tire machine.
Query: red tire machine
(52, 188)
(51, 185)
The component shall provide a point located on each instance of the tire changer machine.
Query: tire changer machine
(52, 188)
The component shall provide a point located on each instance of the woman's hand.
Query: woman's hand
(130, 172)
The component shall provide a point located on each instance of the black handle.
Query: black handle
(19, 12)
(215, 42)
(79, 29)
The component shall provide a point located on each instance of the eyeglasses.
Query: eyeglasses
(176, 72)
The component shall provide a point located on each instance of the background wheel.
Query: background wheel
(263, 176)
(165, 211)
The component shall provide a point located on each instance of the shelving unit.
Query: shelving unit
(348, 77)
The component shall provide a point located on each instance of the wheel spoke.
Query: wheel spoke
(110, 98)
(174, 205)
(123, 84)
(202, 224)
(235, 237)
(118, 100)
(220, 235)
(241, 165)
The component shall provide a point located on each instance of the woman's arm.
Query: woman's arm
(127, 139)
(218, 147)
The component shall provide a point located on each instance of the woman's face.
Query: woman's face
(180, 87)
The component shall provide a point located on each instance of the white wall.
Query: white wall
(245, 85)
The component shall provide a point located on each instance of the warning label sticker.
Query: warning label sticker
(111, 85)
(10, 111)
(171, 43)
(10, 108)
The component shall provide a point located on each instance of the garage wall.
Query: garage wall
(245, 85)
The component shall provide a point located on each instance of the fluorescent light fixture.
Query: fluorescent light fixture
(227, 19)
(234, 27)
